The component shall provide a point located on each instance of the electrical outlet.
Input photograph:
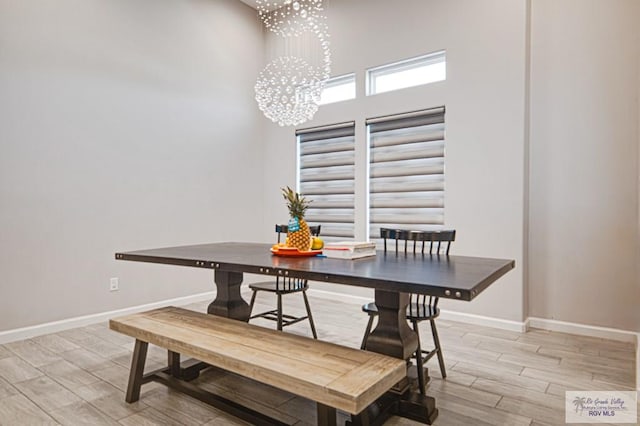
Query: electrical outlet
(113, 284)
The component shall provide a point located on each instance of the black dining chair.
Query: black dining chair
(281, 287)
(421, 307)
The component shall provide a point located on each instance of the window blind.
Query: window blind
(406, 171)
(326, 177)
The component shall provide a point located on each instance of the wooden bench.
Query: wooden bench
(334, 376)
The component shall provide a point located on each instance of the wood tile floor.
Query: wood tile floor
(495, 377)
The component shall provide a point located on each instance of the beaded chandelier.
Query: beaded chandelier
(289, 18)
(288, 89)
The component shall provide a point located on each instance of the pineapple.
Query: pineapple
(299, 235)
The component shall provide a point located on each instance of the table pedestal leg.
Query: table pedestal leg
(392, 336)
(228, 302)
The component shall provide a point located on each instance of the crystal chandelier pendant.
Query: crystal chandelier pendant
(289, 18)
(288, 90)
(321, 30)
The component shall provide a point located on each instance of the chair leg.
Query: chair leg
(419, 361)
(436, 340)
(363, 346)
(309, 316)
(279, 312)
(137, 371)
(253, 301)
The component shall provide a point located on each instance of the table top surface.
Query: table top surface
(454, 277)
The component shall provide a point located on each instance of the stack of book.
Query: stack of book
(349, 249)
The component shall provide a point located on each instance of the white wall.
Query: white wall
(485, 99)
(126, 125)
(584, 162)
(123, 125)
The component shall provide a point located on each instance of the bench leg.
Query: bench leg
(326, 415)
(174, 364)
(137, 370)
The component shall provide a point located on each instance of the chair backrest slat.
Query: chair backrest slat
(434, 238)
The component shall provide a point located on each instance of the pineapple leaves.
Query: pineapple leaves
(296, 203)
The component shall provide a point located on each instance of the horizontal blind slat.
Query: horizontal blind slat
(329, 149)
(327, 173)
(335, 218)
(406, 168)
(406, 138)
(331, 201)
(327, 188)
(407, 200)
(332, 211)
(431, 216)
(318, 207)
(346, 158)
(396, 185)
(408, 152)
(327, 145)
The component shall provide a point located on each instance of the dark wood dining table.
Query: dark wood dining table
(392, 276)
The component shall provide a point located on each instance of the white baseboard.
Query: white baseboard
(583, 329)
(638, 361)
(66, 324)
(474, 319)
(444, 314)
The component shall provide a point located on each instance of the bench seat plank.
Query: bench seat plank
(336, 376)
(298, 347)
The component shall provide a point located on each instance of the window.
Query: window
(338, 89)
(326, 177)
(406, 171)
(411, 72)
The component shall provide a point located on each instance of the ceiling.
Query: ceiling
(251, 3)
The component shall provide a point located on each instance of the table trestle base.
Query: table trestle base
(187, 370)
(245, 413)
(409, 405)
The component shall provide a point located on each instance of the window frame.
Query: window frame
(338, 81)
(433, 58)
